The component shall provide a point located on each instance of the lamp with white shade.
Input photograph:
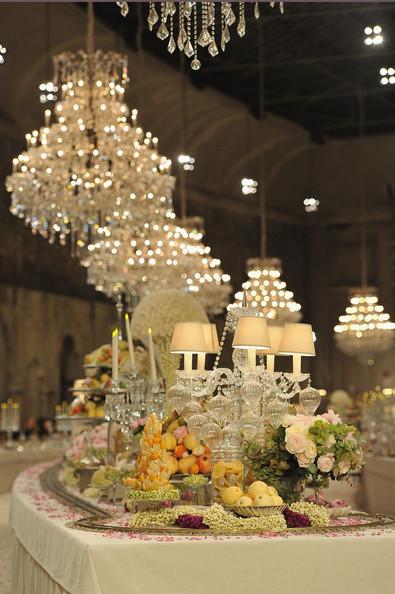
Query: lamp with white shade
(297, 340)
(251, 334)
(275, 336)
(188, 338)
(212, 344)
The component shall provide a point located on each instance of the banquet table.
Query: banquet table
(379, 484)
(50, 557)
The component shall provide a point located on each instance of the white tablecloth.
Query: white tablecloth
(52, 558)
(379, 485)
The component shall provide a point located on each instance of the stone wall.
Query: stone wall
(43, 338)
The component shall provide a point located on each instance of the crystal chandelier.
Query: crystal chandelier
(265, 292)
(91, 164)
(158, 256)
(202, 273)
(189, 26)
(365, 329)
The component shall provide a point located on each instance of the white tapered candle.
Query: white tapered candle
(115, 356)
(151, 355)
(128, 324)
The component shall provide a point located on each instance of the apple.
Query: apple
(204, 463)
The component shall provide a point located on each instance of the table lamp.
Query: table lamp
(297, 340)
(275, 336)
(251, 334)
(212, 344)
(188, 338)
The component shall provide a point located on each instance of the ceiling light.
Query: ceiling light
(266, 292)
(311, 204)
(249, 186)
(387, 75)
(365, 329)
(187, 162)
(2, 52)
(373, 35)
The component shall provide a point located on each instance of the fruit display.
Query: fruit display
(102, 356)
(90, 408)
(187, 454)
(152, 466)
(259, 494)
(228, 475)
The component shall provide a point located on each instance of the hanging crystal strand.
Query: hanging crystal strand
(195, 64)
(182, 34)
(153, 16)
(124, 6)
(171, 46)
(188, 47)
(162, 31)
(204, 37)
(281, 7)
(223, 44)
(256, 10)
(241, 27)
(212, 48)
(230, 17)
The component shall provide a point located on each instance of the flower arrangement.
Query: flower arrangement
(88, 445)
(305, 449)
(161, 311)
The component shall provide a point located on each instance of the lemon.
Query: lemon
(257, 488)
(263, 500)
(272, 491)
(231, 495)
(244, 500)
(277, 500)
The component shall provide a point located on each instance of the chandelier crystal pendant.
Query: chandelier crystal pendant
(91, 164)
(365, 330)
(190, 26)
(266, 293)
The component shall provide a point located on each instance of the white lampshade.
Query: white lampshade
(251, 333)
(297, 339)
(211, 338)
(275, 336)
(188, 337)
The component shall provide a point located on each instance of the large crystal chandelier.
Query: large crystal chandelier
(160, 255)
(266, 293)
(189, 26)
(91, 164)
(365, 329)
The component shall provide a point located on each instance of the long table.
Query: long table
(379, 484)
(50, 557)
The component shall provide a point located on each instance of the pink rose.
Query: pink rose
(325, 463)
(331, 417)
(134, 425)
(295, 440)
(180, 432)
(344, 466)
(303, 460)
(350, 437)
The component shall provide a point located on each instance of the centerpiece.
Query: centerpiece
(304, 450)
